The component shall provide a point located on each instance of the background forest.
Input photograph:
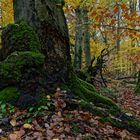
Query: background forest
(105, 52)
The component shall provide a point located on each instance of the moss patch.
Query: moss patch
(125, 122)
(9, 94)
(11, 67)
(19, 37)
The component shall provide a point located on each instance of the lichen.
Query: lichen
(9, 94)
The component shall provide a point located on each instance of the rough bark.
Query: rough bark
(48, 20)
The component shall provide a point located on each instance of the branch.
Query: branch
(125, 28)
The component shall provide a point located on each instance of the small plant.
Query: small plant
(6, 109)
(75, 128)
(39, 109)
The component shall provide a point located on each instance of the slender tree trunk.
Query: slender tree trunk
(137, 89)
(78, 39)
(48, 20)
(132, 5)
(118, 29)
(86, 38)
(139, 4)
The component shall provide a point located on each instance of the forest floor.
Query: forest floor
(66, 123)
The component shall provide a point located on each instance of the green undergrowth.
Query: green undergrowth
(9, 94)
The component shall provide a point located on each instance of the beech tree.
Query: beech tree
(48, 20)
(39, 55)
(35, 53)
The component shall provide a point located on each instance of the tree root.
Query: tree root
(102, 106)
(88, 93)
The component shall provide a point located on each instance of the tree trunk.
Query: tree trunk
(86, 38)
(78, 39)
(48, 20)
(137, 89)
(23, 66)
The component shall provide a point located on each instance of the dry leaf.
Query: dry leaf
(14, 136)
(13, 122)
(3, 138)
(27, 126)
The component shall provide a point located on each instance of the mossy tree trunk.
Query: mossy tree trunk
(47, 18)
(23, 61)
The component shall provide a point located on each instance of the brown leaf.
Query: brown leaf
(13, 122)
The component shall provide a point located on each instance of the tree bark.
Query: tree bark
(137, 89)
(78, 39)
(86, 38)
(48, 20)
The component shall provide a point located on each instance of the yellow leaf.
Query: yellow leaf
(48, 97)
(27, 126)
(59, 114)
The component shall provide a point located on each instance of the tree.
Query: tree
(32, 56)
(137, 89)
(78, 39)
(49, 22)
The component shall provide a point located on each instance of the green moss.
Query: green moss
(11, 68)
(131, 124)
(9, 94)
(19, 37)
(137, 90)
(24, 37)
(88, 93)
(94, 109)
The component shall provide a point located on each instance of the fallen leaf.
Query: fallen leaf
(13, 122)
(13, 136)
(27, 126)
(3, 138)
